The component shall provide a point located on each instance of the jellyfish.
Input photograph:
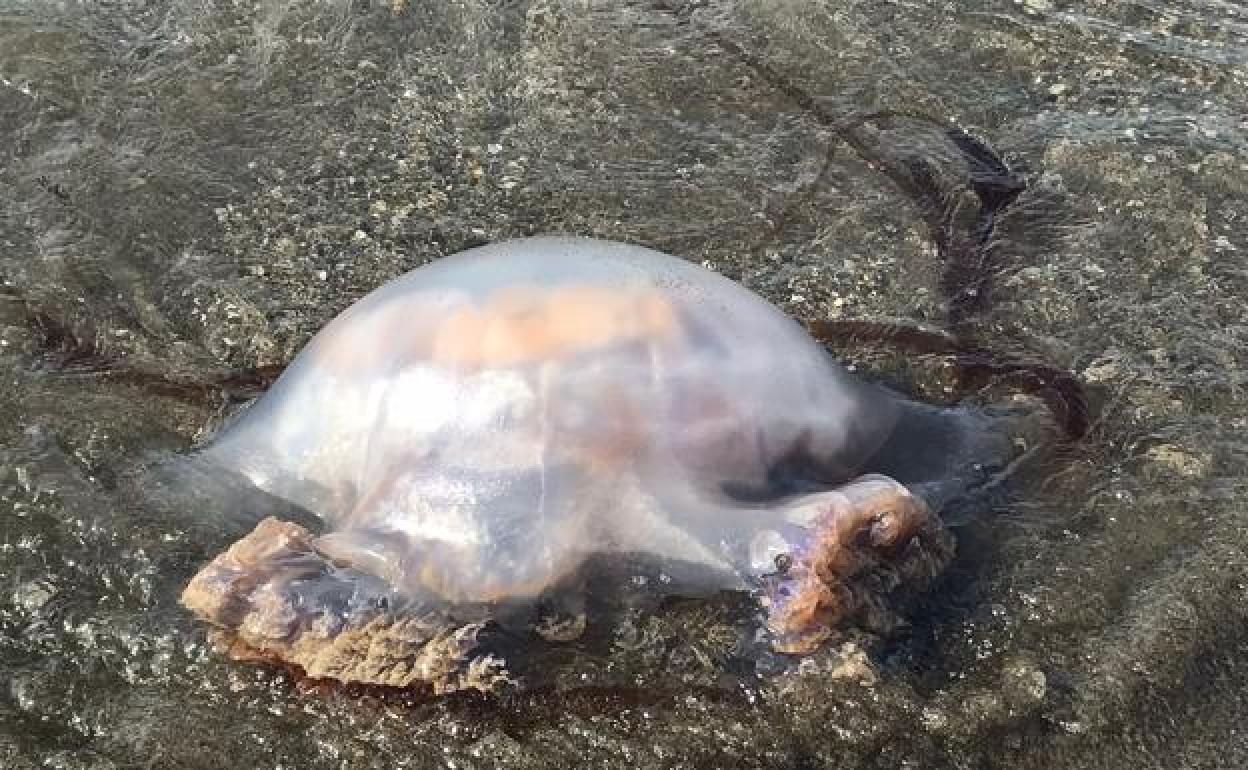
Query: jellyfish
(470, 435)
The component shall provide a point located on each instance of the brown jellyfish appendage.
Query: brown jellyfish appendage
(272, 597)
(867, 538)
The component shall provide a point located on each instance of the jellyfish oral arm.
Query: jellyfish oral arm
(870, 527)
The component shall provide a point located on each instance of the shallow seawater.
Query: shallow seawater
(188, 191)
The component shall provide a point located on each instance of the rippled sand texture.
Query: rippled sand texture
(188, 191)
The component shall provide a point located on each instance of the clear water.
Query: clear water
(189, 190)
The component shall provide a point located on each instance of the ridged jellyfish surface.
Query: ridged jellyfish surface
(475, 430)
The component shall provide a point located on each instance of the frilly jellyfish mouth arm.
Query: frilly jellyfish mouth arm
(861, 541)
(272, 596)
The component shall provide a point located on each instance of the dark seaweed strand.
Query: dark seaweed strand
(69, 353)
(970, 263)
